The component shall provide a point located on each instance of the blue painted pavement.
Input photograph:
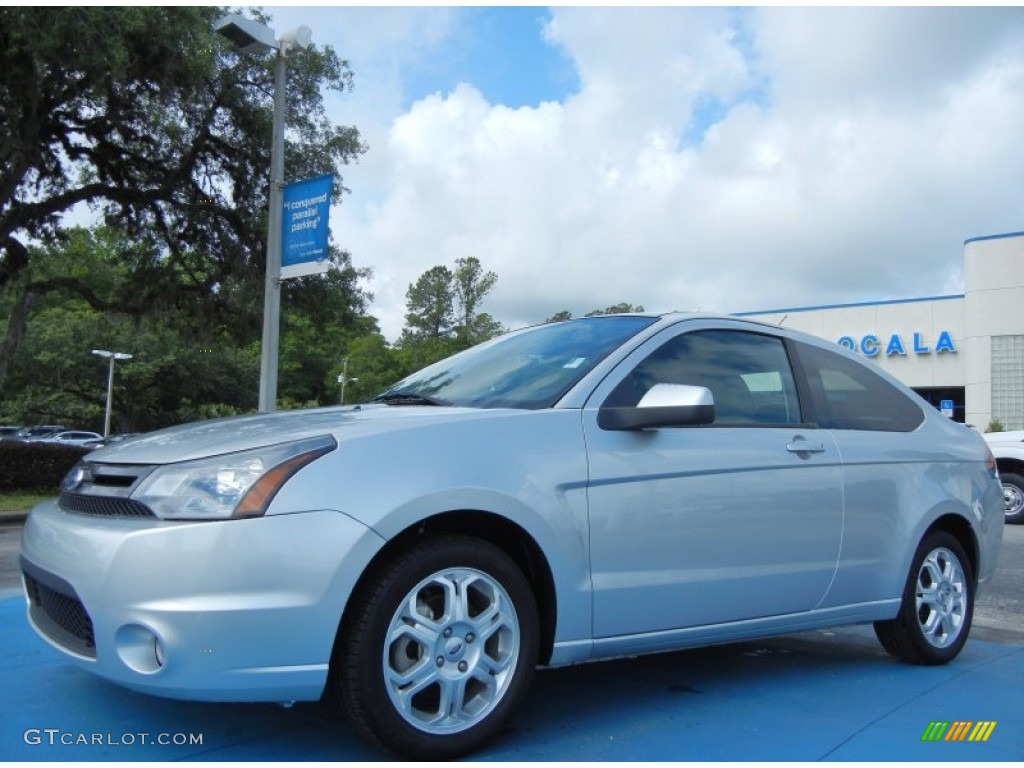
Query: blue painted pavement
(828, 695)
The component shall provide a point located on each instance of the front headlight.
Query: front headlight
(232, 485)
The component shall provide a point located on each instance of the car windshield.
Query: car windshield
(531, 368)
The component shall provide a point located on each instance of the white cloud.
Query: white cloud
(900, 57)
(854, 151)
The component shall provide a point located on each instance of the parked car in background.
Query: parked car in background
(71, 437)
(596, 488)
(38, 432)
(1008, 448)
(7, 432)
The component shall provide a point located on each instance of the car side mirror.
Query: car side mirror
(664, 405)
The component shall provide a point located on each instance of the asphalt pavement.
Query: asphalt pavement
(10, 548)
(999, 613)
(827, 695)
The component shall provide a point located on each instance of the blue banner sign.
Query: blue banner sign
(304, 230)
(872, 345)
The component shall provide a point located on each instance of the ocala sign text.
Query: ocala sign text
(872, 346)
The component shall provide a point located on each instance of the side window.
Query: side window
(748, 374)
(849, 395)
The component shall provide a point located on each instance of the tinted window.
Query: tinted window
(849, 395)
(748, 374)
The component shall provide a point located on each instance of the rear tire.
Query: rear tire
(438, 648)
(1013, 497)
(938, 604)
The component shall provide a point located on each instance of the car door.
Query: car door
(698, 525)
(891, 474)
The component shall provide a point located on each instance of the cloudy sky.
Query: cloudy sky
(676, 157)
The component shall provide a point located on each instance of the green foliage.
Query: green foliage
(470, 285)
(559, 317)
(177, 373)
(374, 366)
(163, 127)
(615, 309)
(23, 501)
(430, 305)
(191, 360)
(35, 466)
(442, 315)
(621, 308)
(55, 376)
(157, 122)
(995, 426)
(149, 113)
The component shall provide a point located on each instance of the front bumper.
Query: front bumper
(235, 610)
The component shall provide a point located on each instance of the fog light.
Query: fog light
(139, 648)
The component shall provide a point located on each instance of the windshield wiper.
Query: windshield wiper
(407, 398)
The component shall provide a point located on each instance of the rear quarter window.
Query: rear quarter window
(847, 394)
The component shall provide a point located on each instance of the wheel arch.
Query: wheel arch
(961, 530)
(1008, 464)
(503, 533)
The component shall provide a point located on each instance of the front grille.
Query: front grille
(60, 616)
(103, 506)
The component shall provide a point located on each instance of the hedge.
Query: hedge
(34, 466)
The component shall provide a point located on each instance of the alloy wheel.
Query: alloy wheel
(451, 650)
(941, 597)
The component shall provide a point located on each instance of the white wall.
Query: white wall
(994, 278)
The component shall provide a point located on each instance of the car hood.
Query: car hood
(211, 438)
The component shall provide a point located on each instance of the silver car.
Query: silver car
(70, 437)
(569, 492)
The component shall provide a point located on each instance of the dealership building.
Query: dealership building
(963, 353)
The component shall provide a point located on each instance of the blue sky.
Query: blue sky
(501, 51)
(676, 157)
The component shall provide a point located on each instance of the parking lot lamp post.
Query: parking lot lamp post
(252, 37)
(112, 356)
(343, 379)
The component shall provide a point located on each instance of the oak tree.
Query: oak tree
(148, 118)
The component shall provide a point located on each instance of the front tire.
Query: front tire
(938, 604)
(1013, 497)
(438, 649)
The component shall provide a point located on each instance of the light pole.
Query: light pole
(112, 356)
(343, 378)
(252, 37)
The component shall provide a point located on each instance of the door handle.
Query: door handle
(800, 445)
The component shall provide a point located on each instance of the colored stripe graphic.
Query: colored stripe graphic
(935, 731)
(982, 731)
(959, 730)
